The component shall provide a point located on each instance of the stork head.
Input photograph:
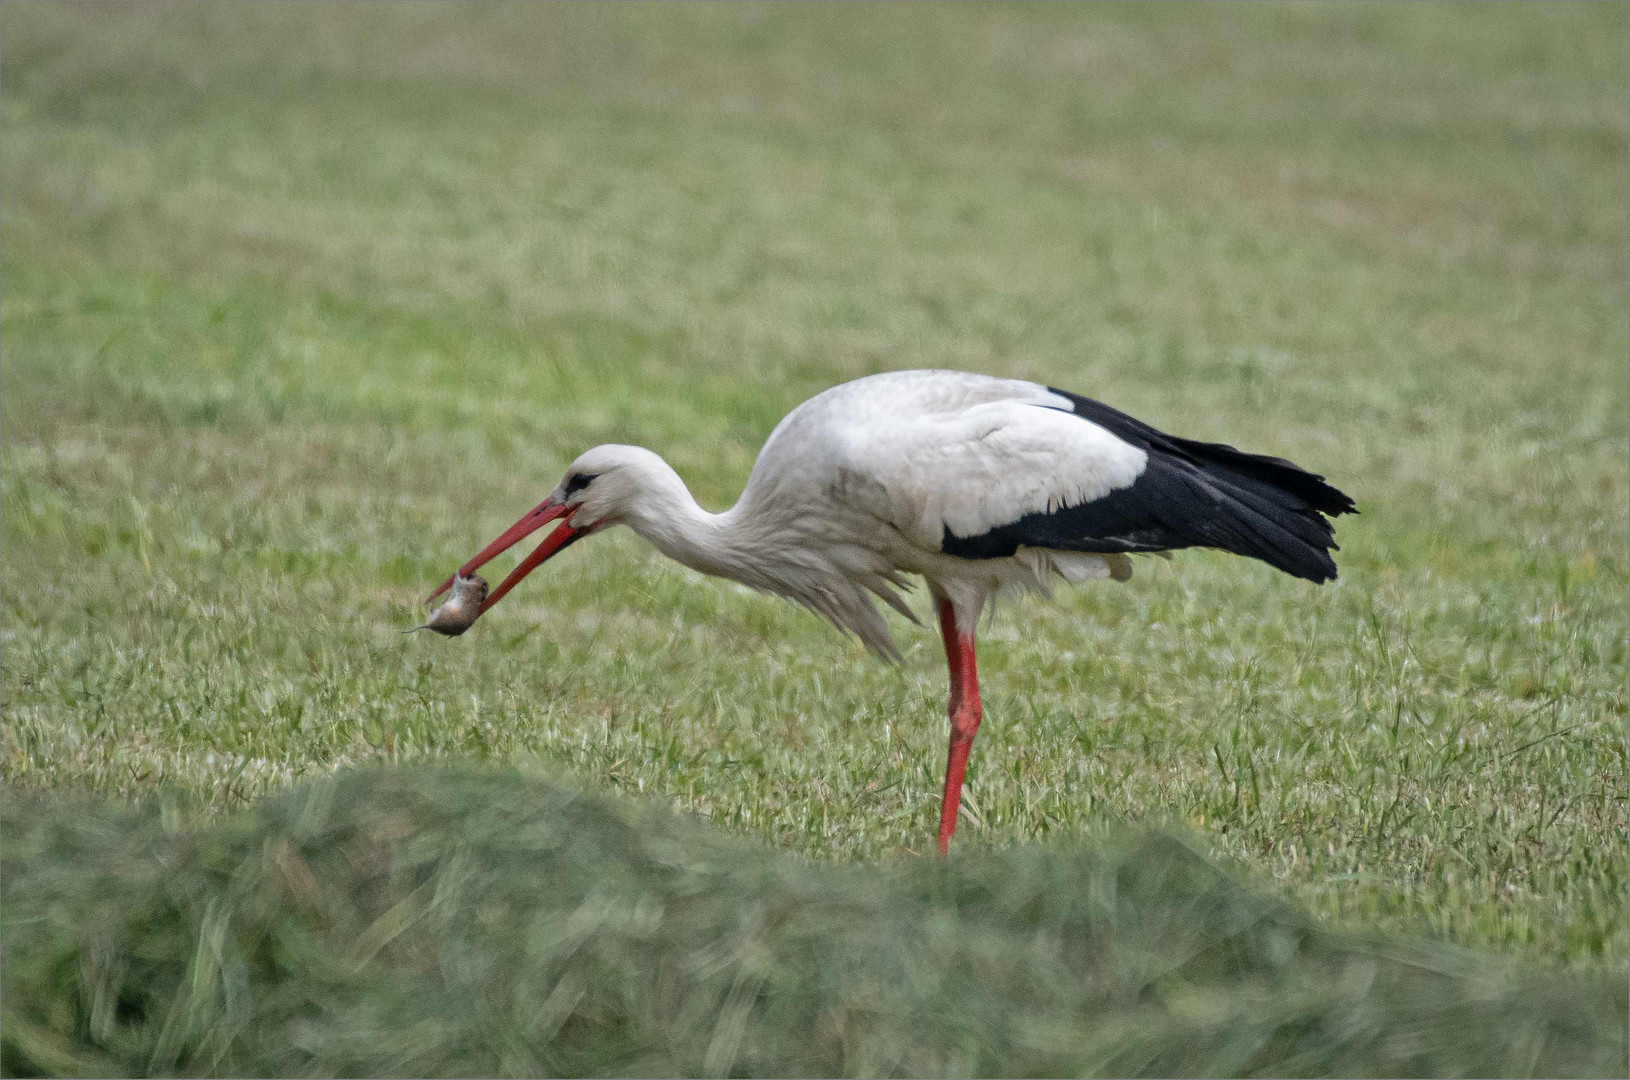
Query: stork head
(601, 488)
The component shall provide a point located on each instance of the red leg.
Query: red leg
(965, 715)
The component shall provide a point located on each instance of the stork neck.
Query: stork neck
(669, 517)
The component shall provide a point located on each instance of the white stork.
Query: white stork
(976, 483)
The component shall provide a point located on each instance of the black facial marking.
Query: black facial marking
(577, 482)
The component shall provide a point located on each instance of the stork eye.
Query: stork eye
(576, 482)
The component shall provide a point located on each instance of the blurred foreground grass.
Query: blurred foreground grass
(303, 303)
(447, 922)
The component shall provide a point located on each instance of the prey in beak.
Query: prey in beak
(564, 534)
(460, 611)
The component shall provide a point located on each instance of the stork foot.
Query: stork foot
(964, 724)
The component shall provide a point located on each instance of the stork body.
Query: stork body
(976, 484)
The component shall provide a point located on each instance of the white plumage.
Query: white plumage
(976, 484)
(858, 485)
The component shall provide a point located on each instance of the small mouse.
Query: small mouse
(462, 608)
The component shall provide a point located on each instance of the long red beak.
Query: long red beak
(539, 516)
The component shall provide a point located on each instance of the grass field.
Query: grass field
(303, 303)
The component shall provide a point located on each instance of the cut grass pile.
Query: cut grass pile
(449, 921)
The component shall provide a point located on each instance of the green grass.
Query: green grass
(443, 922)
(302, 304)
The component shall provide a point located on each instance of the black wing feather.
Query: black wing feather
(1191, 494)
